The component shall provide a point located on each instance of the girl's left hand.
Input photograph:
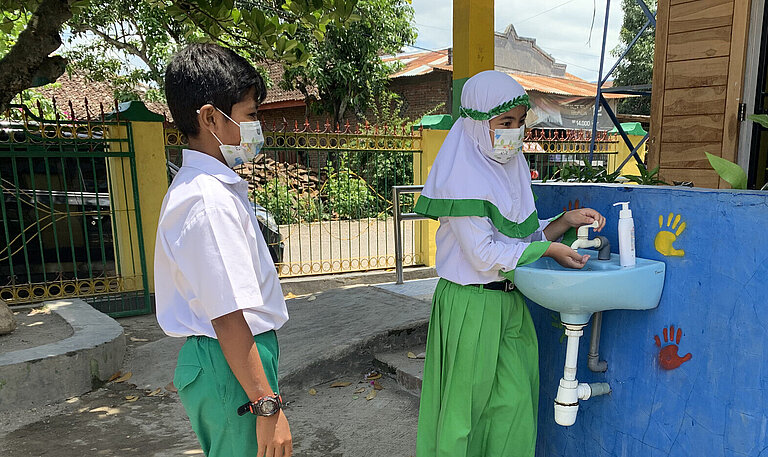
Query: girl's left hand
(584, 216)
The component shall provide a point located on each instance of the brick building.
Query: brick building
(424, 84)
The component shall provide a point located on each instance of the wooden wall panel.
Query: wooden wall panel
(687, 155)
(738, 55)
(699, 177)
(697, 86)
(696, 100)
(699, 44)
(658, 82)
(697, 73)
(700, 15)
(697, 129)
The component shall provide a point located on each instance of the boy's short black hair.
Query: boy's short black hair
(208, 73)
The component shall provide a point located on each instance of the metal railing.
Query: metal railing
(326, 193)
(399, 217)
(68, 189)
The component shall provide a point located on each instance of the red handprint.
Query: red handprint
(572, 205)
(668, 358)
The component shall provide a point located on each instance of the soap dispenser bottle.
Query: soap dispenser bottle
(626, 236)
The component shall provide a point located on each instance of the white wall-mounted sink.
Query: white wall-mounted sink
(601, 285)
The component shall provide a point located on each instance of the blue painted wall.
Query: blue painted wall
(715, 404)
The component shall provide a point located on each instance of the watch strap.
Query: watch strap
(252, 406)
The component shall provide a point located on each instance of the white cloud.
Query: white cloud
(560, 27)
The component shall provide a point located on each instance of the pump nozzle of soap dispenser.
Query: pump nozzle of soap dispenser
(625, 211)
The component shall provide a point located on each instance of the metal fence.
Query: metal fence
(323, 194)
(68, 190)
(548, 150)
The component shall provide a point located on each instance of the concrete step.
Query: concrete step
(406, 371)
(40, 375)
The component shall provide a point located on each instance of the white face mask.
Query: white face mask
(506, 144)
(251, 142)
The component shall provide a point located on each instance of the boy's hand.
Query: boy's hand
(274, 436)
(566, 256)
(584, 216)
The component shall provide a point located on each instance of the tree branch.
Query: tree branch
(127, 47)
(28, 64)
(192, 8)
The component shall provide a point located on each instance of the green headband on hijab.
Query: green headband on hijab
(503, 108)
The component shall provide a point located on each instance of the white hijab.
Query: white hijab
(463, 181)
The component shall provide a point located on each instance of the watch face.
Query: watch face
(267, 407)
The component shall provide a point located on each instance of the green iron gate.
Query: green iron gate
(70, 213)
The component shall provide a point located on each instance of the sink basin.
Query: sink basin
(601, 285)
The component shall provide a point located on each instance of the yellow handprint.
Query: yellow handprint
(665, 238)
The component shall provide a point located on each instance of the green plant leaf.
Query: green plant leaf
(761, 119)
(732, 173)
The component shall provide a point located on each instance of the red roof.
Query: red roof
(559, 86)
(277, 95)
(422, 63)
(76, 88)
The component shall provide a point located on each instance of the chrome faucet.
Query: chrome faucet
(599, 242)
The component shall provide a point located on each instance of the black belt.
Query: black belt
(504, 286)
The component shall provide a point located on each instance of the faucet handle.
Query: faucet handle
(583, 231)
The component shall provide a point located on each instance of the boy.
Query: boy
(215, 283)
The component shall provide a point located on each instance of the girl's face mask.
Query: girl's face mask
(506, 144)
(251, 142)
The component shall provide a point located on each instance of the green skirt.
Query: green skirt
(480, 391)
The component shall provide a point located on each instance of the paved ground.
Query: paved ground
(331, 337)
(334, 246)
(337, 422)
(35, 327)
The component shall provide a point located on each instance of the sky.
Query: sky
(560, 27)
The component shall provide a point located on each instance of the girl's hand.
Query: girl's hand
(584, 216)
(566, 256)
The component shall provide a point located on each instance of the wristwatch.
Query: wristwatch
(267, 405)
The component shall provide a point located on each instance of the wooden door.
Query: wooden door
(697, 87)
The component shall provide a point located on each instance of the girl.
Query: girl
(481, 379)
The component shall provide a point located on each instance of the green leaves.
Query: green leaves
(646, 177)
(761, 119)
(6, 26)
(345, 64)
(572, 172)
(730, 172)
(637, 66)
(130, 42)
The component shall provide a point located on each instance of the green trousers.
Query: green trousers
(211, 394)
(480, 390)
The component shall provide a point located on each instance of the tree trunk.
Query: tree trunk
(339, 113)
(28, 63)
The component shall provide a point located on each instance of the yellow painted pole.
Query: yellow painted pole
(473, 43)
(431, 141)
(122, 206)
(148, 139)
(623, 152)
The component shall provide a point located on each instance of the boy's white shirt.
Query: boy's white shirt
(210, 256)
